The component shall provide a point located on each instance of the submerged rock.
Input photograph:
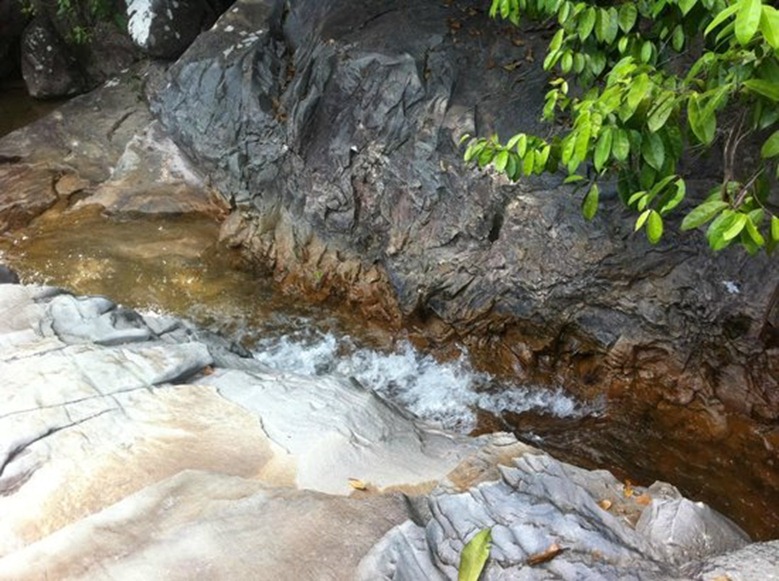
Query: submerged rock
(134, 444)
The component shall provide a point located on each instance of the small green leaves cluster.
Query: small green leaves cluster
(654, 79)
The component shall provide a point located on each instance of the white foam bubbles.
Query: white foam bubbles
(447, 394)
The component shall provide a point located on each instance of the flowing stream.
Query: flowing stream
(175, 265)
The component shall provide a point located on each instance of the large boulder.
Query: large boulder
(333, 128)
(70, 51)
(164, 28)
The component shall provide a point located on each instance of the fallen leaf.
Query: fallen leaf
(517, 42)
(474, 556)
(644, 499)
(544, 556)
(605, 504)
(357, 484)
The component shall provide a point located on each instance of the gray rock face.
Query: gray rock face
(540, 503)
(334, 128)
(755, 561)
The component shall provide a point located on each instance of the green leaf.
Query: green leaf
(557, 40)
(702, 214)
(567, 150)
(473, 150)
(513, 141)
(654, 227)
(771, 146)
(627, 16)
(638, 91)
(607, 25)
(716, 230)
(679, 192)
(474, 556)
(603, 148)
(501, 160)
(590, 203)
(769, 25)
(661, 110)
(486, 155)
(522, 145)
(620, 147)
(764, 88)
(721, 17)
(512, 168)
(775, 228)
(641, 220)
(754, 233)
(635, 197)
(586, 23)
(566, 62)
(677, 38)
(563, 13)
(747, 20)
(582, 141)
(528, 164)
(653, 151)
(735, 228)
(686, 5)
(541, 158)
(702, 120)
(646, 51)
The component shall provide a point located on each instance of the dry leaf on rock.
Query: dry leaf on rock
(545, 556)
(357, 484)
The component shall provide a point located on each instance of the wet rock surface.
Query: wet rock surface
(201, 462)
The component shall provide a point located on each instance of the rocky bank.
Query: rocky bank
(137, 445)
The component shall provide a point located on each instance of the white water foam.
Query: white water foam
(446, 394)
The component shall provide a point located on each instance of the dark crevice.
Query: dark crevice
(497, 226)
